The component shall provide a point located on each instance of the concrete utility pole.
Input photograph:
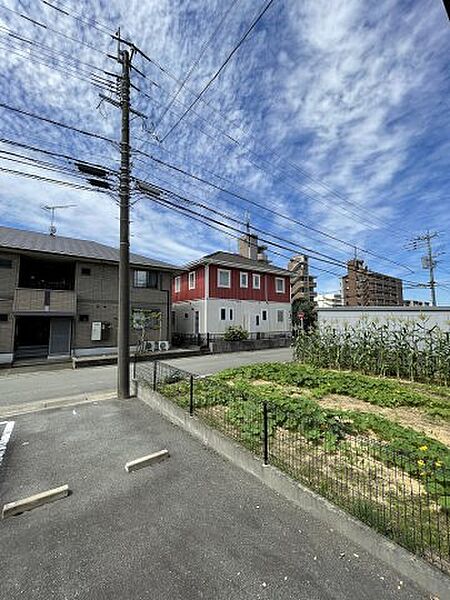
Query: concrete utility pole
(123, 337)
(429, 260)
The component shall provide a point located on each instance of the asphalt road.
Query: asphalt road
(23, 386)
(193, 527)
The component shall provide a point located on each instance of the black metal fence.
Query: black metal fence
(203, 339)
(403, 498)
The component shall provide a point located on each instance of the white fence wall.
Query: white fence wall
(430, 316)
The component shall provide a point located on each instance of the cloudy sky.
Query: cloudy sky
(336, 119)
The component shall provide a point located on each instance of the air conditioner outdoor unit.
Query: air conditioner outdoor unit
(150, 346)
(163, 346)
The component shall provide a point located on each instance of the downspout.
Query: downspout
(205, 319)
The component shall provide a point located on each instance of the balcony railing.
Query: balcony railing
(32, 301)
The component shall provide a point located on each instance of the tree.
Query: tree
(304, 315)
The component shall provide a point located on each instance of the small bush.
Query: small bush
(235, 333)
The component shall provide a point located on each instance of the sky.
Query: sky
(331, 115)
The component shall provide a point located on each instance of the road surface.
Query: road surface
(192, 527)
(24, 386)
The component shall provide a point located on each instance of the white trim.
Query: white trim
(277, 279)
(192, 287)
(241, 273)
(256, 276)
(177, 285)
(219, 285)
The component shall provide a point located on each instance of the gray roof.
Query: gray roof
(230, 259)
(19, 239)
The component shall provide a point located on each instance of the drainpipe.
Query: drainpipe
(205, 320)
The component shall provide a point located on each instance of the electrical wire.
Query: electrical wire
(255, 22)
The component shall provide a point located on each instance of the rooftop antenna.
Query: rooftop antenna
(51, 209)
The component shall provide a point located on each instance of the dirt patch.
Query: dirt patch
(408, 417)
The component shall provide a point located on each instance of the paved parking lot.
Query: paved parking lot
(192, 527)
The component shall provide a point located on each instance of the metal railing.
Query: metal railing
(403, 498)
(203, 339)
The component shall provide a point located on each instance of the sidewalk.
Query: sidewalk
(192, 527)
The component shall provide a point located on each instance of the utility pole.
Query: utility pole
(123, 337)
(428, 260)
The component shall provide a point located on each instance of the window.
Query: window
(186, 315)
(83, 318)
(223, 278)
(223, 314)
(145, 279)
(177, 284)
(256, 281)
(231, 314)
(257, 320)
(192, 280)
(85, 271)
(280, 316)
(264, 315)
(3, 317)
(279, 285)
(5, 263)
(244, 280)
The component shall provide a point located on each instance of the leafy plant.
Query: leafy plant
(235, 333)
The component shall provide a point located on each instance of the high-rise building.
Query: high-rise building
(361, 287)
(303, 284)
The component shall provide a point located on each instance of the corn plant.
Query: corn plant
(398, 348)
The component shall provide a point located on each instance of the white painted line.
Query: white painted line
(20, 506)
(7, 430)
(146, 461)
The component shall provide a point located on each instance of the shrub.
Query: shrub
(235, 333)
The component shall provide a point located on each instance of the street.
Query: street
(192, 527)
(23, 386)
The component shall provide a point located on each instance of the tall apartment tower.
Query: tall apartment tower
(361, 287)
(303, 284)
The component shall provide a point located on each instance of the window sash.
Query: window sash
(223, 314)
(177, 284)
(192, 280)
(256, 281)
(280, 289)
(140, 279)
(280, 316)
(243, 279)
(221, 274)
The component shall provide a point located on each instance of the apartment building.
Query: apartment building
(225, 288)
(361, 287)
(303, 284)
(58, 296)
(330, 300)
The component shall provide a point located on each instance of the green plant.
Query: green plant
(235, 333)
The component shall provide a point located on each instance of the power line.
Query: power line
(223, 65)
(197, 60)
(49, 180)
(58, 123)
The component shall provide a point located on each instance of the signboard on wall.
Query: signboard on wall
(96, 331)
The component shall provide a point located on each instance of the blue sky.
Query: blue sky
(341, 117)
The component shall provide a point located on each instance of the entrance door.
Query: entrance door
(32, 335)
(60, 330)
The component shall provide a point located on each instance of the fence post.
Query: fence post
(134, 365)
(265, 433)
(155, 367)
(191, 395)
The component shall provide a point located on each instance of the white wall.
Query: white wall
(244, 313)
(429, 316)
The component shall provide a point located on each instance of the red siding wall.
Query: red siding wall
(185, 293)
(267, 291)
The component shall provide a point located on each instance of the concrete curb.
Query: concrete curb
(21, 409)
(409, 566)
(147, 461)
(20, 506)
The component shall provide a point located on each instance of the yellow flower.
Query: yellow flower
(421, 463)
(438, 464)
(422, 473)
(423, 448)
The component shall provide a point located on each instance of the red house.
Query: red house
(223, 289)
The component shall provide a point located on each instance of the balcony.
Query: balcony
(30, 301)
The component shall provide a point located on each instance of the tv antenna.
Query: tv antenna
(51, 208)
